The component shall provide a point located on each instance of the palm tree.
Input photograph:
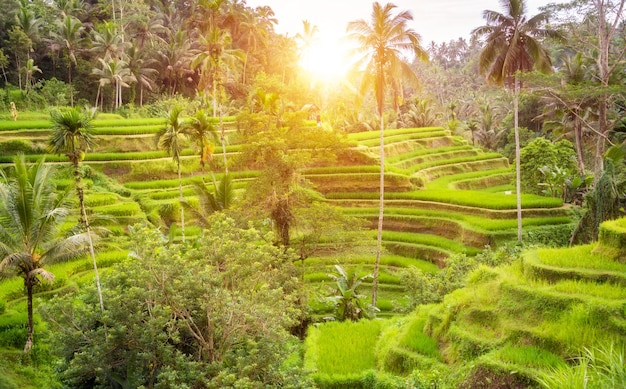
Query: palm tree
(71, 135)
(219, 200)
(307, 38)
(172, 139)
(216, 59)
(511, 47)
(29, 70)
(141, 68)
(382, 44)
(202, 131)
(30, 213)
(115, 73)
(69, 35)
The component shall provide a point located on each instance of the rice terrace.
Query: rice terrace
(192, 198)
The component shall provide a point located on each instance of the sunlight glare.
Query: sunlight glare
(326, 60)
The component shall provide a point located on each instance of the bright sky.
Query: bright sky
(434, 20)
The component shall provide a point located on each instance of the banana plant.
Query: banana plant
(348, 303)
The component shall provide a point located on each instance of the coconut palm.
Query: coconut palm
(115, 73)
(69, 34)
(29, 70)
(172, 139)
(382, 45)
(30, 213)
(512, 46)
(71, 136)
(216, 59)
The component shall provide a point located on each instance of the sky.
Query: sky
(434, 20)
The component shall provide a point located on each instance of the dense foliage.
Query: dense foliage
(210, 313)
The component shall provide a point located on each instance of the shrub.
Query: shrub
(542, 153)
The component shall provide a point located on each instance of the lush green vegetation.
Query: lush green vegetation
(210, 222)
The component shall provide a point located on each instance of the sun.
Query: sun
(326, 60)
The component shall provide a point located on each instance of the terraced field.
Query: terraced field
(443, 196)
(510, 327)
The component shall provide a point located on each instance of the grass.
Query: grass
(477, 222)
(581, 257)
(416, 340)
(446, 181)
(580, 287)
(342, 348)
(429, 240)
(529, 356)
(452, 161)
(476, 199)
(385, 260)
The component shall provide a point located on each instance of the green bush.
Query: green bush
(20, 146)
(542, 153)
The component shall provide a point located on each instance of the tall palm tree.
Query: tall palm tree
(307, 38)
(69, 35)
(116, 73)
(382, 44)
(30, 213)
(172, 139)
(71, 136)
(141, 68)
(216, 59)
(512, 46)
(29, 70)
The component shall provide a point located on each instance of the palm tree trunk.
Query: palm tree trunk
(85, 222)
(381, 204)
(69, 78)
(29, 293)
(518, 181)
(223, 142)
(182, 210)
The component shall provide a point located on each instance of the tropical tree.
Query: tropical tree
(29, 71)
(115, 73)
(31, 211)
(382, 45)
(202, 132)
(172, 139)
(141, 69)
(210, 202)
(216, 58)
(71, 136)
(512, 46)
(307, 39)
(69, 35)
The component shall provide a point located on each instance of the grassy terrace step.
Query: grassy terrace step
(450, 182)
(463, 165)
(173, 183)
(445, 228)
(437, 158)
(375, 135)
(388, 260)
(421, 151)
(474, 223)
(435, 241)
(475, 199)
(495, 214)
(574, 263)
(372, 138)
(365, 182)
(503, 180)
(446, 159)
